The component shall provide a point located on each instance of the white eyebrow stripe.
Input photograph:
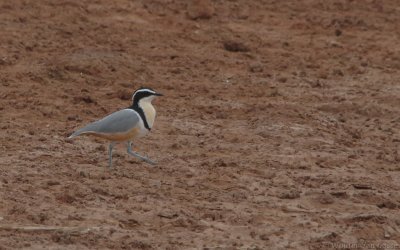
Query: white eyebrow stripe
(145, 90)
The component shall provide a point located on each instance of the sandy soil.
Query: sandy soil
(279, 129)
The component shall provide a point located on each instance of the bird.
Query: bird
(126, 124)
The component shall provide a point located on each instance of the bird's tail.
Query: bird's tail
(77, 133)
(92, 127)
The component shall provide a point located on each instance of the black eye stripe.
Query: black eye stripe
(139, 95)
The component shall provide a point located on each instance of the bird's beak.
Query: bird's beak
(158, 94)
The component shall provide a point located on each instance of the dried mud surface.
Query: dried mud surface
(279, 128)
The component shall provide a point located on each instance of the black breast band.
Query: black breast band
(140, 111)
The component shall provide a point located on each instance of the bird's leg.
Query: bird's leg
(110, 148)
(129, 150)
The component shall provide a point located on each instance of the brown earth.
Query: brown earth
(279, 128)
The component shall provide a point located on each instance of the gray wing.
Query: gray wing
(117, 122)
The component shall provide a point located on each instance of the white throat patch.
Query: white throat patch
(148, 109)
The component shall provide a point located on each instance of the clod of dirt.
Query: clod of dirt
(191, 183)
(83, 174)
(3, 61)
(274, 92)
(289, 194)
(256, 68)
(322, 73)
(129, 223)
(220, 163)
(176, 71)
(282, 79)
(136, 244)
(66, 198)
(62, 237)
(339, 194)
(387, 204)
(85, 99)
(362, 186)
(53, 183)
(368, 217)
(200, 9)
(38, 218)
(42, 139)
(337, 72)
(124, 94)
(354, 69)
(56, 74)
(167, 214)
(101, 147)
(325, 199)
(233, 46)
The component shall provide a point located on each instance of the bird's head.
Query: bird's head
(144, 94)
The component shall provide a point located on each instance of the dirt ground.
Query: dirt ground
(279, 128)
